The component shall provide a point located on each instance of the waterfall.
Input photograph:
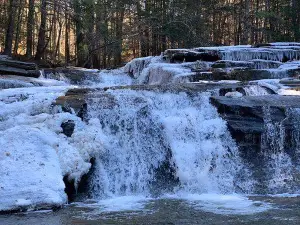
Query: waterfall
(158, 142)
(278, 164)
(255, 90)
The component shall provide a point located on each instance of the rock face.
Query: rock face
(265, 127)
(246, 115)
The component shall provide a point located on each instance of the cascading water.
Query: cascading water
(280, 146)
(255, 90)
(171, 142)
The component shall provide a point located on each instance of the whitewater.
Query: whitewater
(139, 147)
(143, 135)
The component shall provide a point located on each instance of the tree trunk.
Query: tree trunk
(10, 28)
(30, 25)
(19, 26)
(67, 34)
(42, 32)
(119, 34)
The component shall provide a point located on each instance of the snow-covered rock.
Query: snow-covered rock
(136, 66)
(35, 155)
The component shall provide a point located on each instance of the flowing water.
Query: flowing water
(155, 141)
(282, 210)
(169, 158)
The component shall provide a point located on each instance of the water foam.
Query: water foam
(147, 133)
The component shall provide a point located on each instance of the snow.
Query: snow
(223, 48)
(288, 92)
(34, 154)
(234, 94)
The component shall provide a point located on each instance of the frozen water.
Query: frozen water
(34, 154)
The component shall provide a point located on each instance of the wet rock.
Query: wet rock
(190, 55)
(246, 116)
(292, 82)
(17, 71)
(68, 127)
(264, 127)
(14, 67)
(73, 103)
(18, 64)
(80, 191)
(246, 74)
(262, 45)
(230, 64)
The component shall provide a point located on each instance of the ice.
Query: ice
(162, 73)
(246, 53)
(10, 81)
(136, 66)
(34, 154)
(133, 139)
(265, 64)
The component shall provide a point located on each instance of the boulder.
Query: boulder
(247, 116)
(266, 130)
(68, 128)
(73, 103)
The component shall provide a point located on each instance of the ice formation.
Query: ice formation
(34, 154)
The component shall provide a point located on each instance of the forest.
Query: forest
(107, 33)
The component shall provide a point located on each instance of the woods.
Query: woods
(105, 33)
